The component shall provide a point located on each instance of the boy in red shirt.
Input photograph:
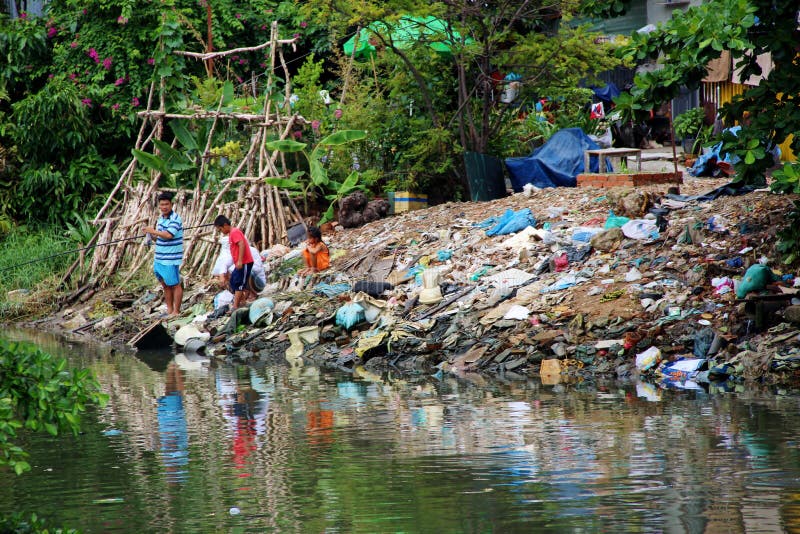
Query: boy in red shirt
(242, 259)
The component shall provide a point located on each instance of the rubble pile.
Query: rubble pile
(557, 282)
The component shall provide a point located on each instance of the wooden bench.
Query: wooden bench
(603, 153)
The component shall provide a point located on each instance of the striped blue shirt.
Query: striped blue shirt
(170, 251)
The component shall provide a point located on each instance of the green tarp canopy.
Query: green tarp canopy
(404, 33)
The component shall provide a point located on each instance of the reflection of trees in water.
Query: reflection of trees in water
(689, 454)
(674, 461)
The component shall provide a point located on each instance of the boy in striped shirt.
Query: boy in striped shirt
(169, 253)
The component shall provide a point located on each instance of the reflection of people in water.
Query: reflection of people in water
(319, 426)
(245, 409)
(172, 427)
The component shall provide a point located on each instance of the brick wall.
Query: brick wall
(629, 180)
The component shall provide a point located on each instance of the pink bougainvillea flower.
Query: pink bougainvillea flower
(72, 76)
(135, 102)
(52, 31)
(73, 44)
(122, 20)
(296, 35)
(238, 15)
(337, 114)
(87, 102)
(115, 107)
(119, 81)
(85, 11)
(263, 26)
(23, 15)
(262, 65)
(297, 134)
(151, 61)
(242, 62)
(51, 76)
(92, 53)
(303, 24)
(107, 63)
(315, 125)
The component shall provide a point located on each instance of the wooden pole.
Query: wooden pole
(672, 139)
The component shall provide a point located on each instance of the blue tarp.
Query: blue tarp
(607, 93)
(705, 164)
(555, 164)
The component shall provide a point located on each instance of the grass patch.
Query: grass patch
(25, 244)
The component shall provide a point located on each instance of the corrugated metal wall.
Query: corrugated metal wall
(720, 93)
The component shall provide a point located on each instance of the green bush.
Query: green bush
(689, 123)
(24, 244)
(39, 393)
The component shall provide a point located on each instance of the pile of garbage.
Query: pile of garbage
(560, 283)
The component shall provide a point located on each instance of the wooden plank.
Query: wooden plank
(154, 336)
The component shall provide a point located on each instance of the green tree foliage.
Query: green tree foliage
(24, 523)
(39, 393)
(747, 28)
(445, 98)
(76, 77)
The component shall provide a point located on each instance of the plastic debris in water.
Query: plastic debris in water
(234, 510)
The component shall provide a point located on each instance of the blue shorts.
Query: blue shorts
(239, 277)
(169, 275)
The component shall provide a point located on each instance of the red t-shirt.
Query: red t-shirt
(237, 239)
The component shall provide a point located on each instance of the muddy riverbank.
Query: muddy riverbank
(565, 289)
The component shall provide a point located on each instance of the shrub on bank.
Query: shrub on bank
(25, 244)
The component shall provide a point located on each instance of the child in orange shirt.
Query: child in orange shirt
(316, 253)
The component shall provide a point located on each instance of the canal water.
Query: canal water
(188, 445)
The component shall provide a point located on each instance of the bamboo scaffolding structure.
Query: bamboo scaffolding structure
(266, 120)
(222, 53)
(257, 208)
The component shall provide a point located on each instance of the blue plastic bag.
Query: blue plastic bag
(512, 221)
(350, 315)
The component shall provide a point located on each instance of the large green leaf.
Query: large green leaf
(168, 153)
(350, 184)
(286, 145)
(283, 183)
(342, 137)
(183, 134)
(180, 166)
(151, 161)
(319, 176)
(328, 215)
(335, 139)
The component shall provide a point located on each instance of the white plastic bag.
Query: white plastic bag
(647, 359)
(640, 229)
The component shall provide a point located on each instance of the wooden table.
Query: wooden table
(603, 153)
